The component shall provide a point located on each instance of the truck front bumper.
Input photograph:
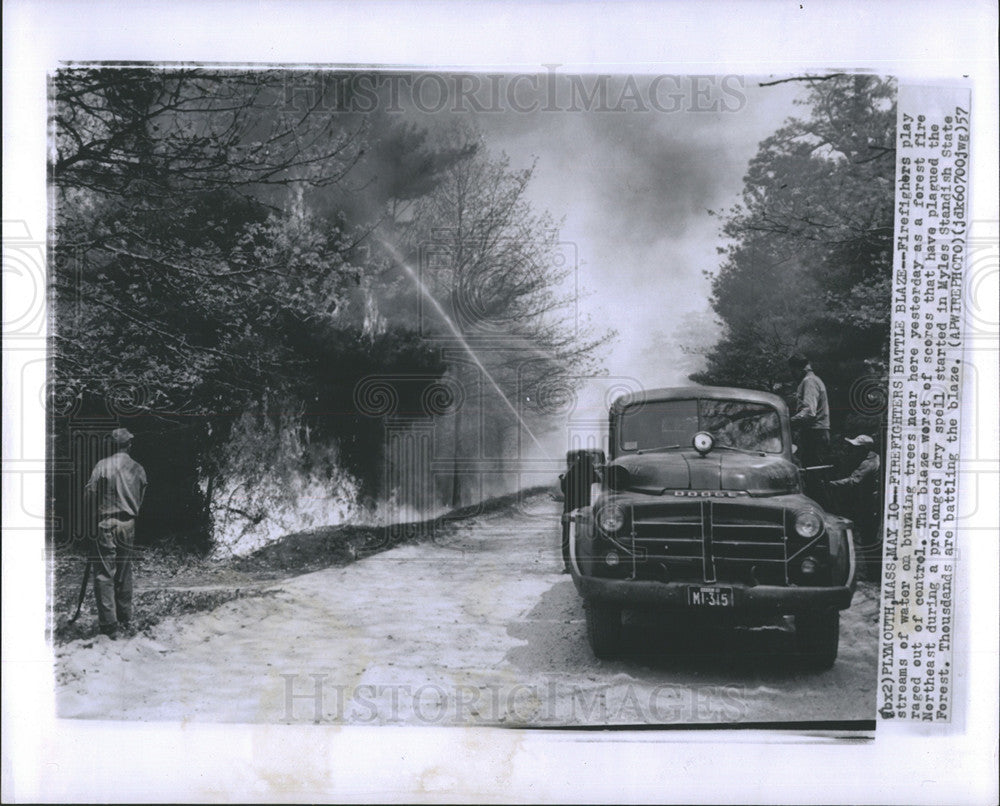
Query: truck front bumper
(642, 594)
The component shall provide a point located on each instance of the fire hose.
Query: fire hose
(83, 590)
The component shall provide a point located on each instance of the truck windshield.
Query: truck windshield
(733, 423)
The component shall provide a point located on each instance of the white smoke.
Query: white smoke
(275, 480)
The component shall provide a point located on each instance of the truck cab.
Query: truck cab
(702, 510)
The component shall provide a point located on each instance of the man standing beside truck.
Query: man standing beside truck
(811, 420)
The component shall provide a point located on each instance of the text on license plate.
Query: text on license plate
(710, 596)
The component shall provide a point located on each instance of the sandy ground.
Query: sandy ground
(478, 627)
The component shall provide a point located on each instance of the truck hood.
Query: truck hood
(720, 469)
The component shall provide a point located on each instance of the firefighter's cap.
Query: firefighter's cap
(121, 436)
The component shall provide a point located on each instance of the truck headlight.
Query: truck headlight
(611, 518)
(808, 524)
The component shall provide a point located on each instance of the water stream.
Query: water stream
(457, 333)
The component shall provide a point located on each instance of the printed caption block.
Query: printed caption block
(916, 669)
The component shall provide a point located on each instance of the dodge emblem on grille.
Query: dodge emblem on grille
(707, 493)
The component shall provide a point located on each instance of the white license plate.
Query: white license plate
(710, 596)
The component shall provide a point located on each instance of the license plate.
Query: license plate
(703, 596)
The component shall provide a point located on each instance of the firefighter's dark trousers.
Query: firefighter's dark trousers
(113, 571)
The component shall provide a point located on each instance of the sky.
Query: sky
(634, 188)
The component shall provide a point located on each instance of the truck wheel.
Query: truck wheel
(604, 629)
(817, 636)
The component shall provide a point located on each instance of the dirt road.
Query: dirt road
(478, 627)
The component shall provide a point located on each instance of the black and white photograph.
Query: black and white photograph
(464, 398)
(438, 402)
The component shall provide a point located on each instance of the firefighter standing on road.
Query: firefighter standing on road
(119, 483)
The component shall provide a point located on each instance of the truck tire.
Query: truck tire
(604, 629)
(817, 636)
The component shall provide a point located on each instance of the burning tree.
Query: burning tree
(193, 278)
(183, 232)
(502, 295)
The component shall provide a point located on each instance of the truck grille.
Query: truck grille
(710, 541)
